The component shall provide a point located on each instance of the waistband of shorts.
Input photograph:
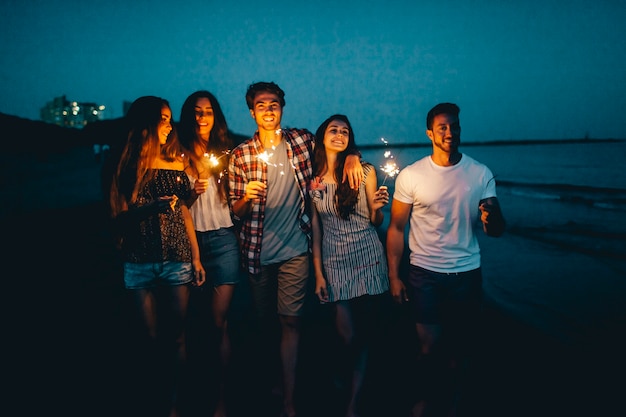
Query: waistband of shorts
(450, 274)
(204, 232)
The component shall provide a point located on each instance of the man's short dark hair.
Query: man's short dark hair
(264, 87)
(441, 108)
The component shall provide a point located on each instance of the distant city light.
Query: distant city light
(63, 112)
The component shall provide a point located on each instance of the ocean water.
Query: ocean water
(572, 194)
(581, 164)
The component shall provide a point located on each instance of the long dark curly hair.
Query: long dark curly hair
(220, 143)
(345, 198)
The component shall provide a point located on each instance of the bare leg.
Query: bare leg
(144, 319)
(222, 296)
(173, 338)
(289, 341)
(430, 368)
(357, 353)
(145, 304)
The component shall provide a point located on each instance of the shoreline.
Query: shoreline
(501, 142)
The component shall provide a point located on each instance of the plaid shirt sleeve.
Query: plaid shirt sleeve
(301, 142)
(244, 167)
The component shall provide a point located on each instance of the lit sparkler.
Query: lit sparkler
(266, 157)
(390, 168)
(210, 161)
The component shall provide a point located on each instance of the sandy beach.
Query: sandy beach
(551, 341)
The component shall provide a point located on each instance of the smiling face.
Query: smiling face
(445, 134)
(267, 111)
(165, 127)
(204, 117)
(336, 136)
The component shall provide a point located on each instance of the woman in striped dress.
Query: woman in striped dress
(348, 256)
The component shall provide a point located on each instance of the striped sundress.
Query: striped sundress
(352, 253)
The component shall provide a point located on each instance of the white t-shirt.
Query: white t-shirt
(445, 212)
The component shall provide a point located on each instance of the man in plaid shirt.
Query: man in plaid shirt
(268, 177)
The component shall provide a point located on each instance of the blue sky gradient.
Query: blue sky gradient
(533, 70)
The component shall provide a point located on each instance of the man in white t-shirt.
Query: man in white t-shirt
(443, 195)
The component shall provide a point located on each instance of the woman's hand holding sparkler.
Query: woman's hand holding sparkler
(200, 185)
(381, 198)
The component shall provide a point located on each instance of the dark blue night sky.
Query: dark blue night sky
(523, 70)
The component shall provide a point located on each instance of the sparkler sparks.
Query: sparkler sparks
(210, 161)
(266, 157)
(390, 168)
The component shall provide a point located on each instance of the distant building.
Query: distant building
(63, 112)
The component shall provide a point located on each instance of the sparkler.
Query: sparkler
(266, 157)
(209, 160)
(390, 168)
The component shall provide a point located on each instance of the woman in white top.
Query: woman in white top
(204, 135)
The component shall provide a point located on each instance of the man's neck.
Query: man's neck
(446, 159)
(270, 138)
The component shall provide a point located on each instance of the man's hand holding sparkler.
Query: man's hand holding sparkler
(491, 217)
(254, 191)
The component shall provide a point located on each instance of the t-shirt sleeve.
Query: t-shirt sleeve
(403, 188)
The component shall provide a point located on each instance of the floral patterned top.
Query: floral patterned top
(160, 237)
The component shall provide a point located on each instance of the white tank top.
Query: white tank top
(209, 212)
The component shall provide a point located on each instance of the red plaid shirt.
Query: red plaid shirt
(244, 166)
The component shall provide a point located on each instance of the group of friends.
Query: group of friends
(192, 208)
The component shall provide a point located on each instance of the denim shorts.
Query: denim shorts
(219, 253)
(437, 297)
(152, 275)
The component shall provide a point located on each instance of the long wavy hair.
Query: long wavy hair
(142, 149)
(220, 143)
(345, 198)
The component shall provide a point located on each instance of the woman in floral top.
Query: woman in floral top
(158, 245)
